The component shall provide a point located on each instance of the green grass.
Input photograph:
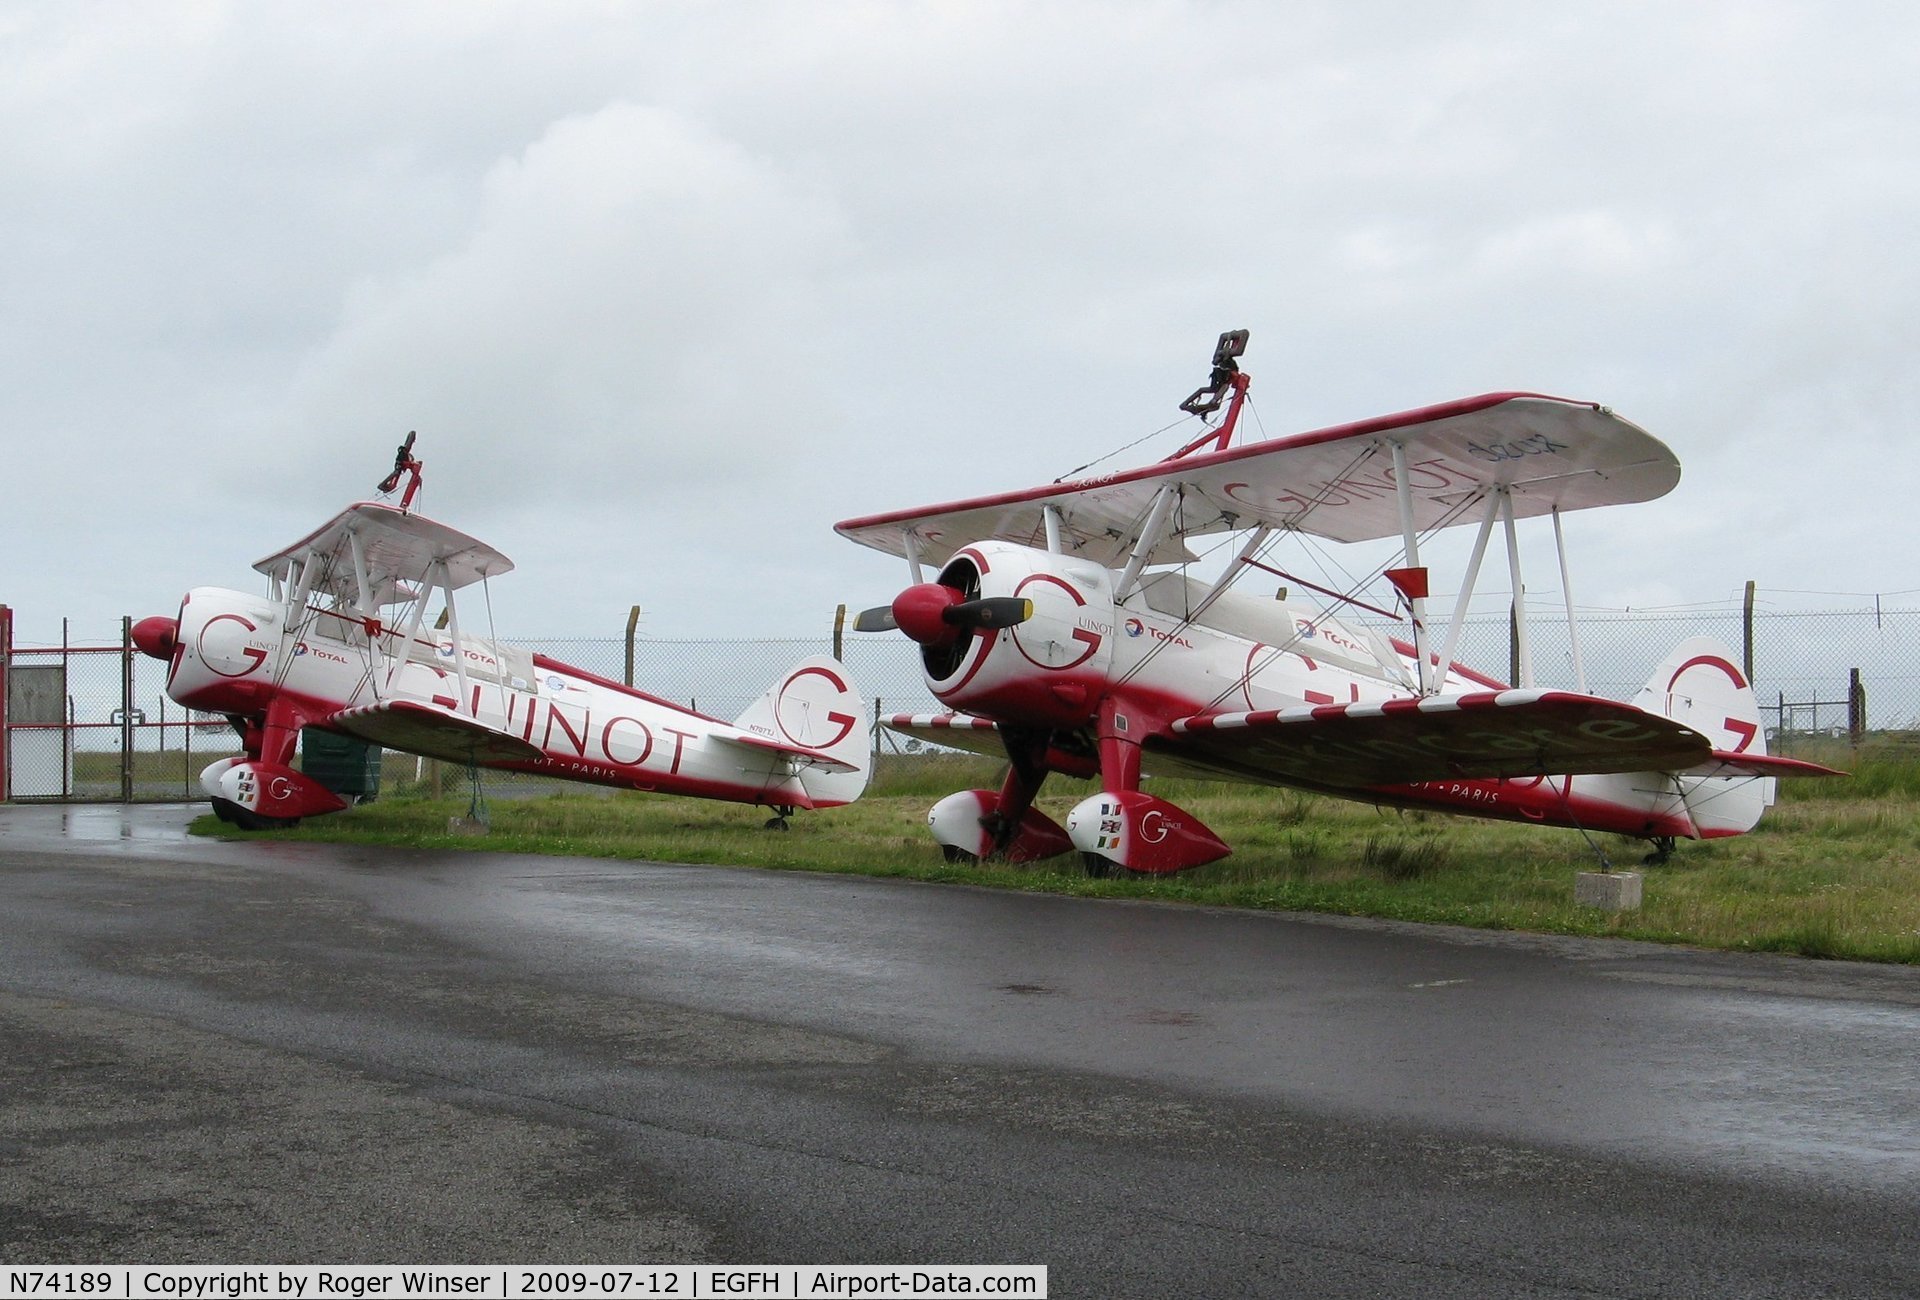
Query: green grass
(1832, 871)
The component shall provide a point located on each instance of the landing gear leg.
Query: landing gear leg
(1662, 850)
(1123, 826)
(1026, 772)
(778, 822)
(1119, 772)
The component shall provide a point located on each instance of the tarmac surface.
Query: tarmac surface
(296, 1053)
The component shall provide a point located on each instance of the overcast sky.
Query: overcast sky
(667, 289)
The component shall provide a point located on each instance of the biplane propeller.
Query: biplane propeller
(340, 642)
(935, 614)
(1063, 630)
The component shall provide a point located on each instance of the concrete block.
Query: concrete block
(468, 826)
(1612, 891)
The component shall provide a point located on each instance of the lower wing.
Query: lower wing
(431, 730)
(1513, 733)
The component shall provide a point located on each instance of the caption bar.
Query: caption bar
(506, 1282)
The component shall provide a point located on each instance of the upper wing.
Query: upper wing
(396, 548)
(1485, 734)
(429, 729)
(1336, 483)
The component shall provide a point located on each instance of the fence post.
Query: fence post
(1746, 633)
(1513, 642)
(126, 708)
(839, 632)
(6, 662)
(1856, 708)
(633, 621)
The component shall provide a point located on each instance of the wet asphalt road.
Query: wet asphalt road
(302, 1053)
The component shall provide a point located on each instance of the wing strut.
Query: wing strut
(1566, 589)
(1417, 596)
(1150, 534)
(453, 630)
(1235, 568)
(1522, 650)
(294, 615)
(364, 606)
(1459, 619)
(403, 648)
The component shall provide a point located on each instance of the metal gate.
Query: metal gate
(92, 723)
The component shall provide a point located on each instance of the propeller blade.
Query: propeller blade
(878, 619)
(933, 613)
(989, 612)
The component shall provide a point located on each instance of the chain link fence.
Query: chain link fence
(1802, 661)
(91, 721)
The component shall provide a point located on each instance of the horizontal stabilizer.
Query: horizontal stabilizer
(429, 729)
(1515, 733)
(1727, 763)
(799, 753)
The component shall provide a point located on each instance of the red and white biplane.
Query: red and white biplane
(1065, 630)
(340, 642)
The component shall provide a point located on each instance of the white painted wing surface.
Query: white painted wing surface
(398, 549)
(1335, 483)
(420, 728)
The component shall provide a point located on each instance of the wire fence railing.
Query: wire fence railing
(90, 720)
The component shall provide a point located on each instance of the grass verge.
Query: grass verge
(1833, 871)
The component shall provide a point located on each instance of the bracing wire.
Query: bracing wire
(1145, 437)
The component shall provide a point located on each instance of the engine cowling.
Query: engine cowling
(223, 647)
(1049, 668)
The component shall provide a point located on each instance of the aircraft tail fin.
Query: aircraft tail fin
(1700, 685)
(815, 707)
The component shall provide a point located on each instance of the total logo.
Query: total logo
(302, 648)
(1136, 628)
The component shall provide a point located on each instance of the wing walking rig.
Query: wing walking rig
(340, 641)
(1061, 627)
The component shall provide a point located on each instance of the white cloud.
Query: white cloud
(667, 289)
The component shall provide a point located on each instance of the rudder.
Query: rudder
(816, 705)
(1699, 685)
